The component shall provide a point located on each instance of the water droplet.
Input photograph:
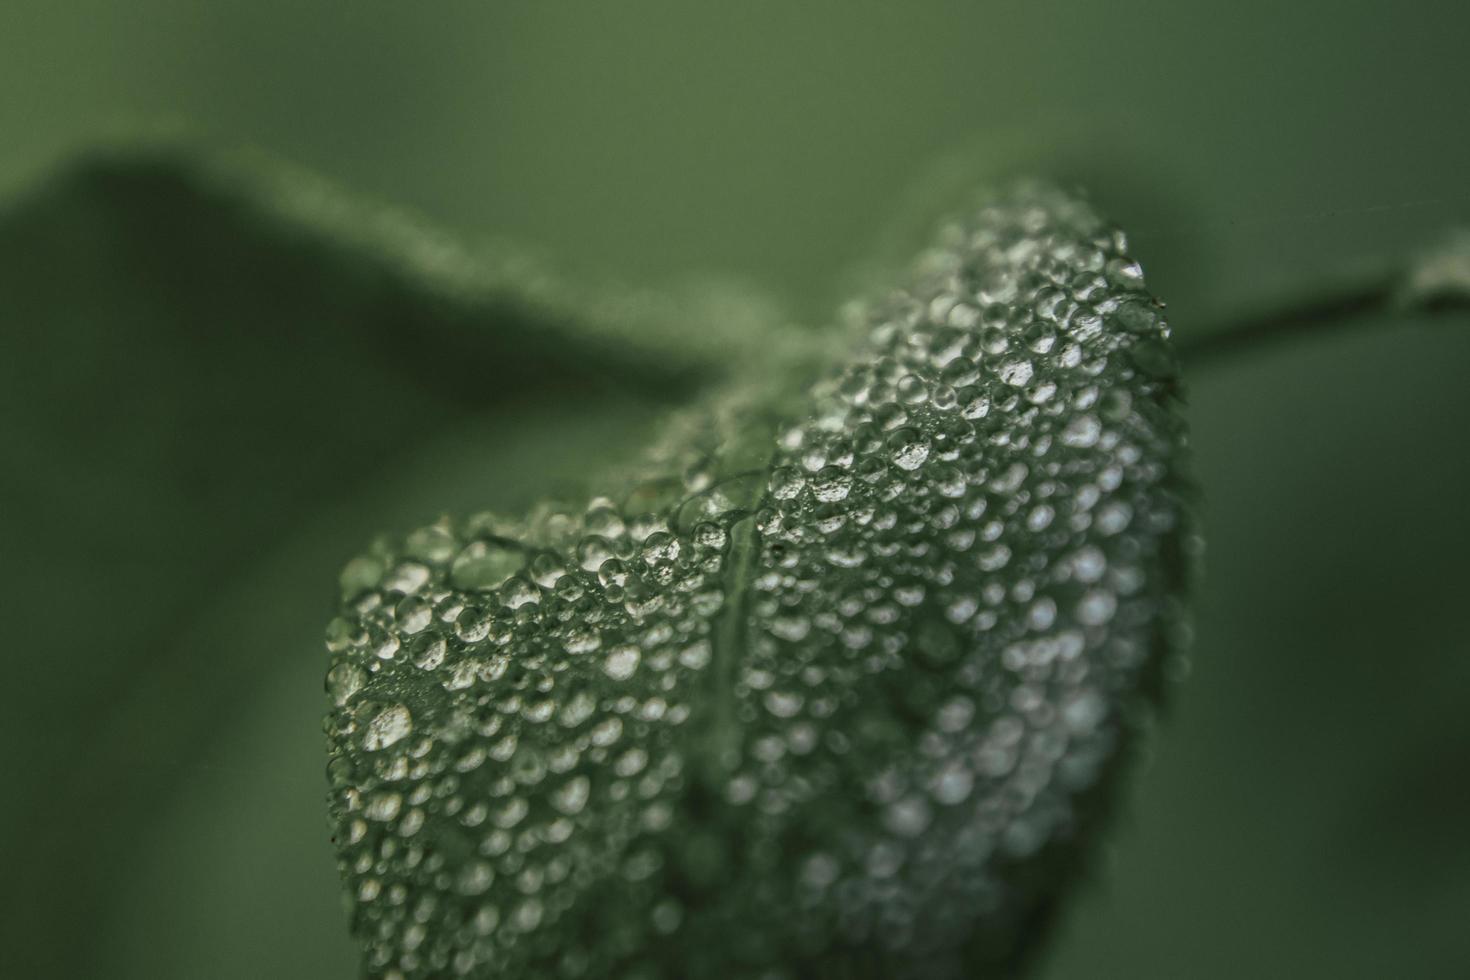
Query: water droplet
(485, 565)
(572, 796)
(621, 662)
(344, 681)
(909, 449)
(389, 726)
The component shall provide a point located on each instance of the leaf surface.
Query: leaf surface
(836, 687)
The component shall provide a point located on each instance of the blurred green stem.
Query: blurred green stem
(1437, 281)
(1299, 318)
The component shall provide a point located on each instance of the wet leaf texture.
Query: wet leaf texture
(836, 689)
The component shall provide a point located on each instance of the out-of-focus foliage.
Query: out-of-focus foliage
(200, 397)
(1305, 813)
(835, 691)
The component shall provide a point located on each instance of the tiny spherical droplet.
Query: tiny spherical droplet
(390, 725)
(621, 662)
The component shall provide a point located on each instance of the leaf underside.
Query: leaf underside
(835, 686)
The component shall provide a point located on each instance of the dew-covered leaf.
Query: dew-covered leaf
(836, 687)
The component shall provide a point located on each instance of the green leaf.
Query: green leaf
(836, 686)
(218, 377)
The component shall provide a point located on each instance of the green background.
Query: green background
(1303, 810)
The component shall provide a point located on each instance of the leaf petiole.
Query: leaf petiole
(1433, 282)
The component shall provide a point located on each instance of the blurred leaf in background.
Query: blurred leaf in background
(202, 413)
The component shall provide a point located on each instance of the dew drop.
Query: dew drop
(390, 725)
(621, 662)
(485, 565)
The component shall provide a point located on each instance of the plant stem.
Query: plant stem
(1436, 282)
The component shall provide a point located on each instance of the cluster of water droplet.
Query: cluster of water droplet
(507, 701)
(965, 571)
(758, 723)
